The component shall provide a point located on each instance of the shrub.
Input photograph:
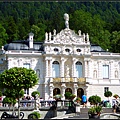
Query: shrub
(34, 115)
(34, 93)
(78, 99)
(94, 100)
(95, 110)
(58, 96)
(108, 94)
(67, 95)
(9, 100)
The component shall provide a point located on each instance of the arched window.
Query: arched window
(79, 69)
(56, 69)
(56, 91)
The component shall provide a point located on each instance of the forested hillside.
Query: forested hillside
(101, 20)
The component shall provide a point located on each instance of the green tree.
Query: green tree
(18, 79)
(11, 29)
(3, 36)
(115, 41)
(36, 30)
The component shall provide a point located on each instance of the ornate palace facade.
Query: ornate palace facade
(65, 61)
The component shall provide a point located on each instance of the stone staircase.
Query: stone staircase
(83, 114)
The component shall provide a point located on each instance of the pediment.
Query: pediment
(68, 36)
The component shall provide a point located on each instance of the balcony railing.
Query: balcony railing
(59, 80)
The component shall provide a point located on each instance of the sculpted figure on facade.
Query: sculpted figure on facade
(116, 74)
(46, 36)
(79, 32)
(49, 35)
(54, 32)
(67, 71)
(66, 17)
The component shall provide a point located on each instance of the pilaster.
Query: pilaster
(99, 70)
(62, 67)
(73, 68)
(111, 70)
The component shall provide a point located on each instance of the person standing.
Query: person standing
(84, 100)
(114, 105)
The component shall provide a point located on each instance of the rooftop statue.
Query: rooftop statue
(66, 17)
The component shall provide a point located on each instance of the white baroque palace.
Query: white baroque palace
(65, 61)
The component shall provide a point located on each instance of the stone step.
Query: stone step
(105, 110)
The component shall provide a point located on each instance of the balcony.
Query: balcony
(66, 80)
(81, 80)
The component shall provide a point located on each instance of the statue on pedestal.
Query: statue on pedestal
(66, 17)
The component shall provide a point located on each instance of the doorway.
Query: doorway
(80, 92)
(56, 91)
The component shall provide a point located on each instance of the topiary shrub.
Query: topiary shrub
(34, 93)
(34, 115)
(108, 94)
(94, 100)
(68, 95)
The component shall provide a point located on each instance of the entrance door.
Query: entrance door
(56, 91)
(80, 92)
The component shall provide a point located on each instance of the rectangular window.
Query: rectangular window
(105, 71)
(106, 89)
(56, 72)
(26, 65)
(78, 71)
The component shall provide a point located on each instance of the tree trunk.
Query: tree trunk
(18, 108)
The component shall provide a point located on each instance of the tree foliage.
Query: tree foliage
(99, 19)
(94, 100)
(18, 79)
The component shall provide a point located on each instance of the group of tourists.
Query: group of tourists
(114, 103)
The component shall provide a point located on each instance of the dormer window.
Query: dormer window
(56, 50)
(67, 50)
(78, 50)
